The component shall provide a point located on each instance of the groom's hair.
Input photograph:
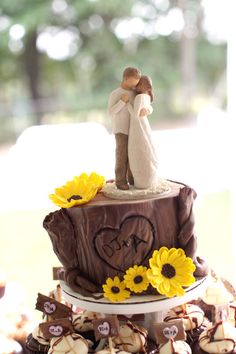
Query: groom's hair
(131, 72)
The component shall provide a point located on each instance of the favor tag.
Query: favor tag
(58, 273)
(220, 313)
(169, 330)
(52, 307)
(56, 328)
(106, 327)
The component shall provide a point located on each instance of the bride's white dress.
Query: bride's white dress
(141, 151)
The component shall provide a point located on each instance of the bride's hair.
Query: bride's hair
(145, 85)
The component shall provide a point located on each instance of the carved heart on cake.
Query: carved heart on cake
(127, 245)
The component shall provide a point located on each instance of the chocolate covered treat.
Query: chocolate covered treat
(191, 315)
(193, 318)
(174, 347)
(170, 337)
(218, 338)
(37, 343)
(131, 338)
(83, 324)
(219, 292)
(70, 343)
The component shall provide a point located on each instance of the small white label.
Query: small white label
(170, 332)
(55, 330)
(49, 307)
(104, 328)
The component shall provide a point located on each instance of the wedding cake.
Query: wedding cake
(121, 242)
(139, 224)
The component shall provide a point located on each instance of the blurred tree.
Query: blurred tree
(74, 51)
(36, 18)
(191, 13)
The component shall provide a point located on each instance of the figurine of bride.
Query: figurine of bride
(141, 151)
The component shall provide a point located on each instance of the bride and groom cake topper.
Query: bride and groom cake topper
(129, 105)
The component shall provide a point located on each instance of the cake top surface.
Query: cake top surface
(101, 199)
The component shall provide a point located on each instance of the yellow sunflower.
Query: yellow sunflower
(136, 279)
(80, 190)
(170, 271)
(114, 290)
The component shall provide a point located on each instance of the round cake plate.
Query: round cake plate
(135, 304)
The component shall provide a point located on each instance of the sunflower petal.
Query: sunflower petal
(84, 186)
(184, 268)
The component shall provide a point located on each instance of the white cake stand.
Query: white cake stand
(154, 307)
(135, 304)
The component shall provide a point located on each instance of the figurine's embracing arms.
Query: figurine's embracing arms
(140, 108)
(115, 106)
(145, 111)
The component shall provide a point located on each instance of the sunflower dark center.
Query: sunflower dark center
(115, 289)
(138, 279)
(74, 197)
(168, 271)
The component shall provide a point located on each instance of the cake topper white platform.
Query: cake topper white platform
(160, 188)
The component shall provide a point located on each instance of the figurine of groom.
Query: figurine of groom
(118, 109)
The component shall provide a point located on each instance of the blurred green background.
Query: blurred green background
(59, 59)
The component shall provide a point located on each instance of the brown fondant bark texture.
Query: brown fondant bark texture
(97, 241)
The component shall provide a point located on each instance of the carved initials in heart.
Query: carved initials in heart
(170, 332)
(49, 307)
(55, 330)
(104, 328)
(130, 244)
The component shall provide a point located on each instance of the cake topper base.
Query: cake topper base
(161, 187)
